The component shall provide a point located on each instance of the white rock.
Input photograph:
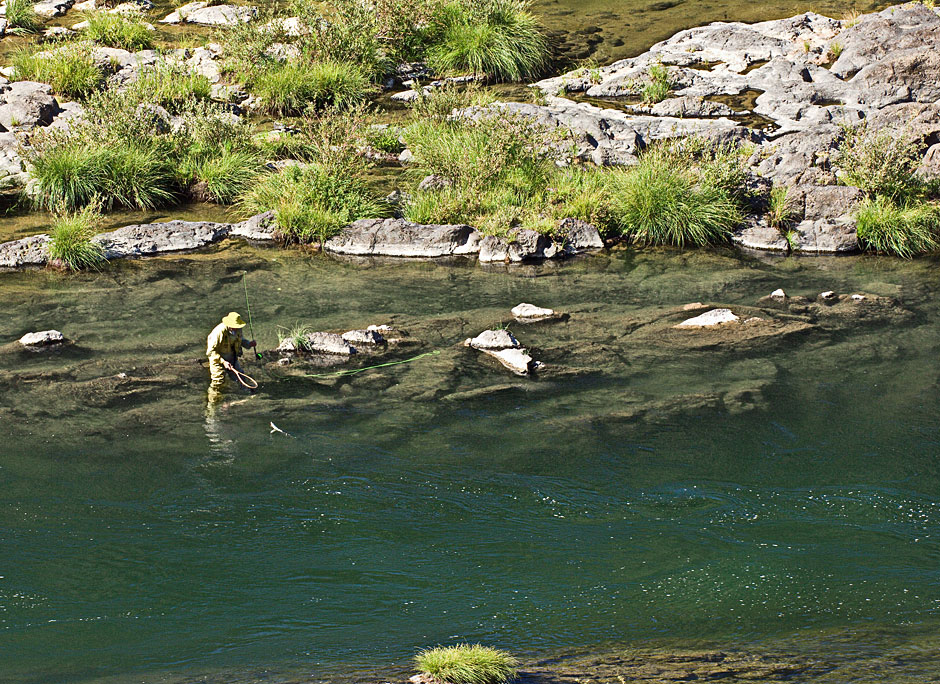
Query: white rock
(828, 294)
(493, 339)
(320, 343)
(42, 338)
(516, 360)
(858, 297)
(525, 310)
(380, 328)
(405, 96)
(778, 294)
(710, 318)
(181, 13)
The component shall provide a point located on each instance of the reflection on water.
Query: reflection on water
(650, 483)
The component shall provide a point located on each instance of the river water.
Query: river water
(643, 486)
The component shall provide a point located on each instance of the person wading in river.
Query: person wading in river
(223, 347)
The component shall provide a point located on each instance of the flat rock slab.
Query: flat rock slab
(319, 343)
(710, 318)
(52, 8)
(29, 251)
(210, 15)
(261, 227)
(157, 238)
(372, 337)
(43, 338)
(400, 238)
(531, 312)
(516, 360)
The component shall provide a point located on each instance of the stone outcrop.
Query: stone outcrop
(210, 15)
(29, 251)
(157, 238)
(318, 343)
(401, 238)
(530, 312)
(44, 338)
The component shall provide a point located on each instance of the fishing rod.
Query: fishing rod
(250, 326)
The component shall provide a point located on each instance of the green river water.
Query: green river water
(771, 494)
(643, 487)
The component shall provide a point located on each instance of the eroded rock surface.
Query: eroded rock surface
(401, 238)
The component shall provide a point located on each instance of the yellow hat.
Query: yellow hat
(233, 320)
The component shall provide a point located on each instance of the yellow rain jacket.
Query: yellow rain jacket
(222, 344)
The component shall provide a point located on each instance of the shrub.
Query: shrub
(902, 230)
(440, 103)
(660, 204)
(70, 69)
(493, 38)
(467, 664)
(21, 17)
(292, 87)
(881, 163)
(71, 238)
(312, 203)
(658, 84)
(119, 31)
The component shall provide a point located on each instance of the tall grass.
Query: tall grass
(440, 103)
(119, 31)
(293, 87)
(170, 85)
(21, 17)
(658, 84)
(70, 70)
(902, 230)
(780, 209)
(657, 203)
(882, 163)
(498, 39)
(71, 238)
(313, 203)
(467, 664)
(227, 174)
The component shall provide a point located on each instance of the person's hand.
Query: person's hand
(226, 365)
(251, 344)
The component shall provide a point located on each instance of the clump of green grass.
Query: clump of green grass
(71, 238)
(171, 85)
(293, 87)
(904, 230)
(835, 50)
(658, 84)
(440, 103)
(384, 139)
(227, 175)
(658, 203)
(467, 664)
(497, 39)
(21, 17)
(881, 163)
(70, 70)
(780, 209)
(312, 203)
(119, 31)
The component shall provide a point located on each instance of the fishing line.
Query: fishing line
(380, 365)
(250, 327)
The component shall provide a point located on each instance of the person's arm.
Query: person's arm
(214, 347)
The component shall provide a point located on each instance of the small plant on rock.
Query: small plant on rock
(467, 664)
(780, 209)
(70, 69)
(21, 17)
(658, 84)
(882, 163)
(119, 31)
(71, 235)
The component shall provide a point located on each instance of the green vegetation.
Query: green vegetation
(21, 18)
(71, 238)
(659, 203)
(467, 664)
(440, 103)
(170, 85)
(119, 31)
(903, 230)
(658, 84)
(489, 38)
(312, 203)
(882, 163)
(780, 209)
(835, 50)
(292, 87)
(70, 69)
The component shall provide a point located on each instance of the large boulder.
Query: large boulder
(43, 338)
(28, 251)
(401, 238)
(25, 104)
(149, 239)
(211, 15)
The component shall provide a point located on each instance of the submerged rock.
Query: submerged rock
(43, 338)
(710, 318)
(319, 343)
(401, 238)
(157, 238)
(516, 360)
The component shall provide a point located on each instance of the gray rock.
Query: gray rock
(47, 9)
(400, 238)
(28, 251)
(525, 245)
(320, 343)
(372, 337)
(578, 236)
(516, 360)
(709, 319)
(688, 106)
(25, 104)
(493, 339)
(214, 15)
(259, 227)
(158, 238)
(42, 339)
(824, 236)
(434, 182)
(156, 117)
(13, 174)
(531, 312)
(755, 233)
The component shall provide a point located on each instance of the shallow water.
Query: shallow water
(644, 486)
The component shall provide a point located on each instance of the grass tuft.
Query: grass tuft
(467, 664)
(21, 17)
(902, 230)
(119, 31)
(71, 238)
(658, 84)
(291, 88)
(780, 209)
(70, 70)
(881, 163)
